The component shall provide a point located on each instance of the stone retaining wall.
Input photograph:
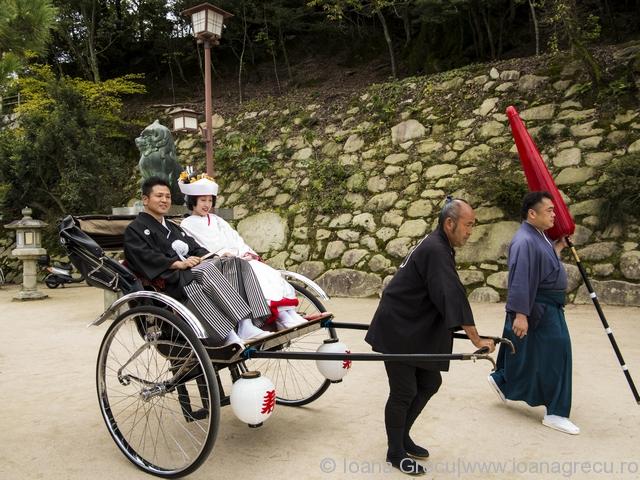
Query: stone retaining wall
(403, 166)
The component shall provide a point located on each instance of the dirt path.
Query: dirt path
(51, 428)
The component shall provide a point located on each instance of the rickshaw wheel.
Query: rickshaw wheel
(297, 382)
(158, 392)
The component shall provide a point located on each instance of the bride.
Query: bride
(217, 236)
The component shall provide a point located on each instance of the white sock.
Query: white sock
(290, 318)
(246, 329)
(232, 338)
(295, 316)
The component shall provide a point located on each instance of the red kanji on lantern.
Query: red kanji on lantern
(268, 401)
(346, 364)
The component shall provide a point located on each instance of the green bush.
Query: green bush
(498, 181)
(620, 187)
(327, 184)
(242, 156)
(71, 151)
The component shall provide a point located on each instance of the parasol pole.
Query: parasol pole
(605, 324)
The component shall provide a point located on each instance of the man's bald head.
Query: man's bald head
(452, 209)
(457, 219)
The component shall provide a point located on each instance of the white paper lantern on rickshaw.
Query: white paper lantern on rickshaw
(253, 398)
(333, 370)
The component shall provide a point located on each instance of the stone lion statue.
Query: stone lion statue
(158, 157)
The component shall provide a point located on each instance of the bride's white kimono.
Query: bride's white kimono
(217, 236)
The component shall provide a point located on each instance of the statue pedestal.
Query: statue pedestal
(136, 209)
(27, 295)
(29, 258)
(175, 210)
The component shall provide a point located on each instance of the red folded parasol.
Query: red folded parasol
(538, 176)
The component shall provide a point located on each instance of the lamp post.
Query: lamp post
(207, 22)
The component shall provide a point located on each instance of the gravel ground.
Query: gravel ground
(51, 426)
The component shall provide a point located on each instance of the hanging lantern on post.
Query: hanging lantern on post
(253, 398)
(333, 370)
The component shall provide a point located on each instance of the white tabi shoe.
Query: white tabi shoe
(248, 331)
(289, 319)
(562, 424)
(233, 338)
(496, 389)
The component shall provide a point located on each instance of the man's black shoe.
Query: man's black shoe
(417, 451)
(407, 465)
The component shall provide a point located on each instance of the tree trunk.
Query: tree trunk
(271, 46)
(406, 22)
(534, 19)
(571, 24)
(91, 38)
(173, 89)
(485, 19)
(284, 52)
(501, 33)
(594, 69)
(275, 69)
(477, 30)
(461, 44)
(389, 41)
(606, 13)
(118, 9)
(473, 36)
(244, 46)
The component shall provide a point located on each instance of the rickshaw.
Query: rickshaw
(158, 375)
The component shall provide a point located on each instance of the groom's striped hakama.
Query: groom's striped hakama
(225, 292)
(242, 278)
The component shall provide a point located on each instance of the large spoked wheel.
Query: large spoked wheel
(297, 382)
(158, 392)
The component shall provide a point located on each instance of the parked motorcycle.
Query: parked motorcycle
(59, 273)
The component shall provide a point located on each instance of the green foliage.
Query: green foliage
(506, 193)
(105, 39)
(103, 98)
(24, 25)
(24, 32)
(71, 151)
(620, 187)
(253, 163)
(618, 88)
(582, 88)
(384, 101)
(576, 27)
(327, 184)
(337, 9)
(93, 36)
(242, 156)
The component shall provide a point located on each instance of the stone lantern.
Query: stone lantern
(28, 249)
(184, 120)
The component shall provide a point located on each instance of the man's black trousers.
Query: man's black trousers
(410, 388)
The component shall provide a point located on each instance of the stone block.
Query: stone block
(484, 295)
(350, 283)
